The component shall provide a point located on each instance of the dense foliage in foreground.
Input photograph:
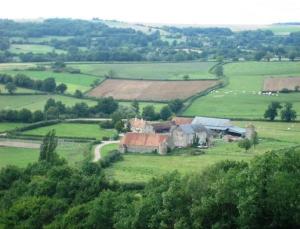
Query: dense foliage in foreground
(262, 194)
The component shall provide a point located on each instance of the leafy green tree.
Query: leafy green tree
(136, 107)
(292, 56)
(219, 72)
(49, 85)
(107, 105)
(254, 139)
(186, 77)
(10, 87)
(52, 113)
(48, 146)
(78, 94)
(61, 88)
(287, 113)
(37, 116)
(149, 113)
(271, 111)
(176, 105)
(81, 110)
(245, 144)
(25, 115)
(165, 113)
(119, 126)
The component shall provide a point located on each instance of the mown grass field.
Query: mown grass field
(37, 102)
(284, 29)
(6, 126)
(36, 48)
(73, 81)
(241, 98)
(195, 70)
(72, 152)
(73, 130)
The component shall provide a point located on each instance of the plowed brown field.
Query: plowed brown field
(150, 90)
(277, 84)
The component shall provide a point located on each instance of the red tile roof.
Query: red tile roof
(141, 139)
(182, 121)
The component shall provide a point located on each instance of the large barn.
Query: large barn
(145, 143)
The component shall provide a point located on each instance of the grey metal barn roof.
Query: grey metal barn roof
(237, 130)
(191, 129)
(212, 122)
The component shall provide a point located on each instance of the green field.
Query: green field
(36, 49)
(107, 148)
(19, 90)
(72, 152)
(196, 70)
(142, 167)
(73, 81)
(241, 98)
(284, 29)
(281, 131)
(36, 102)
(73, 130)
(6, 126)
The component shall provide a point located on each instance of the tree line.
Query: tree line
(95, 41)
(21, 80)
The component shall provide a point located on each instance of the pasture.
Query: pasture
(19, 90)
(148, 71)
(107, 148)
(241, 98)
(71, 151)
(36, 49)
(73, 130)
(147, 90)
(142, 167)
(73, 81)
(7, 126)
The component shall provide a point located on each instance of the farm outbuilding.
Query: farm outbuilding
(145, 143)
(184, 135)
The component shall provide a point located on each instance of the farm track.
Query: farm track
(97, 151)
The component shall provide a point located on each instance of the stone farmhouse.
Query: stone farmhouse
(180, 132)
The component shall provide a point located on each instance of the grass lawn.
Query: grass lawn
(196, 70)
(36, 102)
(107, 148)
(19, 90)
(72, 152)
(36, 49)
(241, 98)
(73, 81)
(6, 126)
(73, 130)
